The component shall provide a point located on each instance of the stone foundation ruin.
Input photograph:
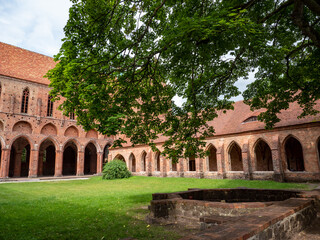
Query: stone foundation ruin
(239, 213)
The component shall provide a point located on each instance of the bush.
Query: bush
(115, 169)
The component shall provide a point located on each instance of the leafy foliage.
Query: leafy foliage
(122, 62)
(115, 169)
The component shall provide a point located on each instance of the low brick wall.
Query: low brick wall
(278, 216)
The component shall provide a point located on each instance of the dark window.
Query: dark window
(50, 107)
(192, 164)
(25, 100)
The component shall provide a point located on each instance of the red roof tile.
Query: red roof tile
(23, 64)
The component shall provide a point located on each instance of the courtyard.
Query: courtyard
(98, 209)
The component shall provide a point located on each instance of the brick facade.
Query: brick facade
(40, 143)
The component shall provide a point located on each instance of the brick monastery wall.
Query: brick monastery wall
(37, 129)
(307, 134)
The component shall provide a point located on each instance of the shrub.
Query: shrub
(115, 169)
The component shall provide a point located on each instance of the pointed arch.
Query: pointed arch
(20, 157)
(70, 158)
(47, 157)
(49, 129)
(235, 157)
(143, 161)
(90, 158)
(119, 157)
(263, 156)
(25, 100)
(71, 131)
(157, 161)
(132, 163)
(294, 154)
(22, 127)
(212, 165)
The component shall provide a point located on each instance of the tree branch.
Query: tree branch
(279, 9)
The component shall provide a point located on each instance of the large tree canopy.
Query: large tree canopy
(122, 62)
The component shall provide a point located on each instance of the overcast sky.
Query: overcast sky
(37, 25)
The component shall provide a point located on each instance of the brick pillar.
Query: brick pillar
(278, 174)
(246, 161)
(149, 163)
(40, 165)
(180, 167)
(5, 163)
(80, 163)
(199, 167)
(33, 165)
(221, 162)
(58, 163)
(163, 164)
(99, 162)
(17, 164)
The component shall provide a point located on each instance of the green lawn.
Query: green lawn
(95, 208)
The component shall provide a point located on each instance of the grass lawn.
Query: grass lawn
(95, 208)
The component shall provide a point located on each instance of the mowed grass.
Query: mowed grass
(95, 208)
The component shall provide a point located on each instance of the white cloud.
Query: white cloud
(35, 25)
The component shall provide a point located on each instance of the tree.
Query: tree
(122, 62)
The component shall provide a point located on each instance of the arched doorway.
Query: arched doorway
(212, 159)
(263, 156)
(90, 159)
(235, 157)
(132, 163)
(19, 158)
(69, 166)
(157, 162)
(294, 154)
(143, 161)
(47, 157)
(120, 157)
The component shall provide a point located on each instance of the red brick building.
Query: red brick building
(36, 139)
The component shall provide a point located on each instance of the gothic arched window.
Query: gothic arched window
(25, 100)
(49, 107)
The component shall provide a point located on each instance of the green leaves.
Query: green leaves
(122, 62)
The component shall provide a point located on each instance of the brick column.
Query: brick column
(278, 174)
(80, 163)
(199, 167)
(5, 163)
(180, 167)
(99, 162)
(58, 163)
(221, 162)
(40, 165)
(33, 169)
(163, 165)
(246, 161)
(17, 164)
(149, 163)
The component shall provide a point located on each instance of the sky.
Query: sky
(37, 25)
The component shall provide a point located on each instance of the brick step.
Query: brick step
(216, 219)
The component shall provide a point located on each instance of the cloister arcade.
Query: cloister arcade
(22, 157)
(259, 160)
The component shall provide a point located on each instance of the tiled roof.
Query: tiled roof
(23, 64)
(233, 120)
